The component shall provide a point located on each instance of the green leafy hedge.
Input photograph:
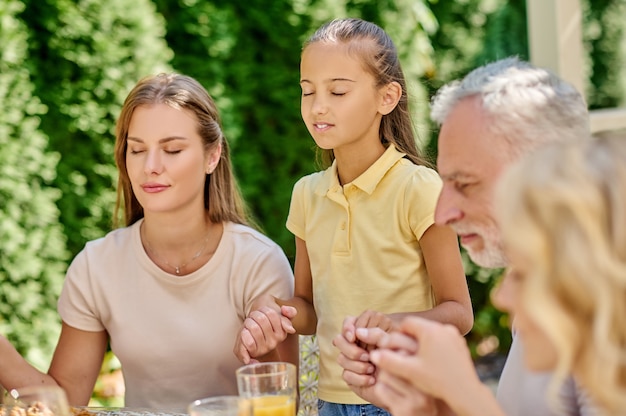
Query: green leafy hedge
(84, 56)
(32, 243)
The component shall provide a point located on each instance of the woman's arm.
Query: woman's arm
(16, 372)
(77, 361)
(75, 365)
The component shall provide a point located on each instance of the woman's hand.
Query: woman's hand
(266, 326)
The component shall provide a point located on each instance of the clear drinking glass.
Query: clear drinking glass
(37, 401)
(273, 387)
(221, 406)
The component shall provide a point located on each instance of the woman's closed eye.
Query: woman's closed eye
(172, 151)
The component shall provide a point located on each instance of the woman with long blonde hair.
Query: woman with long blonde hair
(563, 217)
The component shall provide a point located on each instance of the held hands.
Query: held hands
(387, 385)
(266, 326)
(396, 393)
(372, 319)
(432, 360)
(358, 371)
(435, 363)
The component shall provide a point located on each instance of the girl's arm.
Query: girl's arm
(305, 321)
(440, 248)
(75, 365)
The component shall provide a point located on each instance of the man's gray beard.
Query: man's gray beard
(489, 257)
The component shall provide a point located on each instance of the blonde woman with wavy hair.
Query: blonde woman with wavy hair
(563, 218)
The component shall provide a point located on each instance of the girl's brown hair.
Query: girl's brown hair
(379, 56)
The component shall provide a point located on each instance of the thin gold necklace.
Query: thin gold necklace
(178, 268)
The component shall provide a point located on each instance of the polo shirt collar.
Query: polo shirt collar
(368, 180)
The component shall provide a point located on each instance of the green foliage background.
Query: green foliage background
(83, 58)
(67, 65)
(32, 243)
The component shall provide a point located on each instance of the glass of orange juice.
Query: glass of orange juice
(221, 406)
(272, 387)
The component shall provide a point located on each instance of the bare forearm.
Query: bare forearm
(305, 322)
(16, 372)
(475, 400)
(449, 312)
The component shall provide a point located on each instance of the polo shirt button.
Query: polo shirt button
(343, 226)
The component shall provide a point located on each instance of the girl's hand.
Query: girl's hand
(263, 330)
(373, 319)
(358, 371)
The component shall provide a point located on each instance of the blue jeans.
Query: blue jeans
(337, 409)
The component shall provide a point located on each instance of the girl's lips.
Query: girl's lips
(322, 126)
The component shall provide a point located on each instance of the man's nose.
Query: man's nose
(447, 211)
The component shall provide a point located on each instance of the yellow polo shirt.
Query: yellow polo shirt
(363, 244)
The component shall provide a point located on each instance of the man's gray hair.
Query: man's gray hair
(527, 106)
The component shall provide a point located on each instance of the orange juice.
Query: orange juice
(274, 406)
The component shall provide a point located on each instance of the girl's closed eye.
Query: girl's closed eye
(306, 89)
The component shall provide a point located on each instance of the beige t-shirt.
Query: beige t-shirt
(363, 245)
(173, 335)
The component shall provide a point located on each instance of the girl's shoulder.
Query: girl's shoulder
(417, 173)
(320, 180)
(315, 177)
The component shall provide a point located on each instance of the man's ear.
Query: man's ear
(390, 94)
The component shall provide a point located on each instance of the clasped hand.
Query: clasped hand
(265, 327)
(408, 370)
